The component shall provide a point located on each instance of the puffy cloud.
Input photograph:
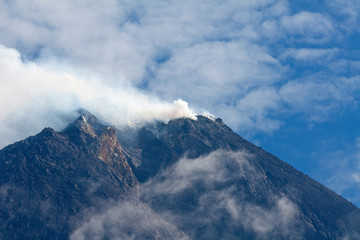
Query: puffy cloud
(212, 54)
(150, 44)
(121, 37)
(217, 69)
(218, 76)
(92, 35)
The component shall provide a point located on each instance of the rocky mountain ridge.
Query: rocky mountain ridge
(177, 180)
(52, 183)
(253, 179)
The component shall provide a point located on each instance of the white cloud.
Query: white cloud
(214, 186)
(316, 99)
(116, 36)
(126, 220)
(256, 106)
(228, 57)
(32, 98)
(216, 69)
(341, 171)
(282, 215)
(310, 54)
(309, 27)
(216, 74)
(347, 9)
(187, 172)
(123, 41)
(210, 53)
(86, 34)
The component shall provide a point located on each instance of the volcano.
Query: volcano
(184, 179)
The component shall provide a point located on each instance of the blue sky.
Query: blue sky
(283, 74)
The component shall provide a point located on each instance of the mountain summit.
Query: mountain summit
(54, 184)
(178, 180)
(214, 184)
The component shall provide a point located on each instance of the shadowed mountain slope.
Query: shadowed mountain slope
(54, 183)
(172, 180)
(228, 186)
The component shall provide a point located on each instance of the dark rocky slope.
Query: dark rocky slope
(161, 181)
(54, 182)
(230, 193)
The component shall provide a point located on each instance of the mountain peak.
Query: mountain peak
(196, 174)
(69, 172)
(82, 125)
(47, 132)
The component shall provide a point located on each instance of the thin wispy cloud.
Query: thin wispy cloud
(214, 186)
(341, 171)
(126, 220)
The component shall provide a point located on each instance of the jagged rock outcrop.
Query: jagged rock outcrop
(53, 183)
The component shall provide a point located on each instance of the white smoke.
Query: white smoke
(33, 97)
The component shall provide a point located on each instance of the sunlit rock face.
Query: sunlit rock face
(185, 179)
